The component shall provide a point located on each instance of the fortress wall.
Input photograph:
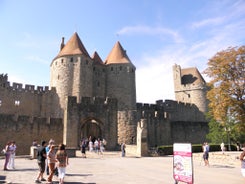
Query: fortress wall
(25, 129)
(193, 132)
(127, 127)
(27, 100)
(171, 110)
(158, 131)
(172, 121)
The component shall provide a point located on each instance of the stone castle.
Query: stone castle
(89, 97)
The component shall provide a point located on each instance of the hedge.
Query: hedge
(196, 148)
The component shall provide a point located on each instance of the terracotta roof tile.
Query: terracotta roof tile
(73, 47)
(97, 59)
(117, 55)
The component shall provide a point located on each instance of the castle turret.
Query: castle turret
(120, 84)
(99, 77)
(121, 78)
(72, 70)
(190, 87)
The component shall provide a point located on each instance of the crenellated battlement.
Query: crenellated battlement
(167, 105)
(29, 88)
(171, 110)
(20, 87)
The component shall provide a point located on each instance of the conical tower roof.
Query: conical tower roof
(97, 59)
(73, 47)
(117, 55)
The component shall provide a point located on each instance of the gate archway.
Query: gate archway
(91, 128)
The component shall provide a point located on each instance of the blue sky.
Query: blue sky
(156, 34)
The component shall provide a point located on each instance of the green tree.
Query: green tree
(226, 70)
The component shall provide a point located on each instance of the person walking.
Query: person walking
(62, 159)
(12, 149)
(7, 156)
(51, 162)
(123, 149)
(222, 147)
(83, 148)
(50, 143)
(41, 157)
(206, 153)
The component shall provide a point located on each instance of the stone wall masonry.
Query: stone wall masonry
(127, 127)
(193, 132)
(27, 101)
(24, 129)
(120, 84)
(99, 78)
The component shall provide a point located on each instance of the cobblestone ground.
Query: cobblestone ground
(110, 168)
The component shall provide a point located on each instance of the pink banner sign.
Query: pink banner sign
(182, 163)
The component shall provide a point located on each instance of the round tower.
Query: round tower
(120, 84)
(72, 71)
(121, 78)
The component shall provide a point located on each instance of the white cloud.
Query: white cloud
(152, 31)
(208, 22)
(154, 80)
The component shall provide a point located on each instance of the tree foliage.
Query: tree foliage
(226, 70)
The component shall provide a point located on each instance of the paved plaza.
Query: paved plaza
(113, 169)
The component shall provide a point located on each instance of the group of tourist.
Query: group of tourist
(94, 145)
(49, 158)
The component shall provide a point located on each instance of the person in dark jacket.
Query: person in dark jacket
(41, 157)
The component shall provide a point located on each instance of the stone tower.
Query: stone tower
(121, 78)
(72, 71)
(120, 84)
(190, 87)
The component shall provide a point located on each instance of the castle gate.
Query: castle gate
(95, 117)
(91, 128)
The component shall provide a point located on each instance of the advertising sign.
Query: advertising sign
(182, 163)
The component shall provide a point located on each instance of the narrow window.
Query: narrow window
(71, 59)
